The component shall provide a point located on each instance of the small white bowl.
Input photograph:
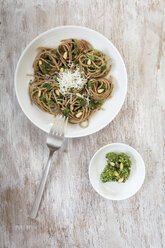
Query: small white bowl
(114, 190)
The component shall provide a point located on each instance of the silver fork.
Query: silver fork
(54, 141)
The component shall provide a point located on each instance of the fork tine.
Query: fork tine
(63, 126)
(59, 130)
(56, 124)
(59, 126)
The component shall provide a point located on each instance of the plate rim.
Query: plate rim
(113, 144)
(66, 27)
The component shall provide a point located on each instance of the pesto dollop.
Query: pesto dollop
(118, 168)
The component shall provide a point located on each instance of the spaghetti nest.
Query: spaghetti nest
(70, 80)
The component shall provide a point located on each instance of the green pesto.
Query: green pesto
(103, 67)
(103, 87)
(92, 58)
(64, 66)
(82, 102)
(43, 99)
(50, 102)
(91, 84)
(45, 67)
(112, 89)
(47, 85)
(53, 51)
(118, 168)
(94, 104)
(75, 61)
(59, 49)
(66, 112)
(75, 49)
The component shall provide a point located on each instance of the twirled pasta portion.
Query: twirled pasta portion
(72, 48)
(44, 95)
(49, 61)
(94, 63)
(100, 89)
(70, 80)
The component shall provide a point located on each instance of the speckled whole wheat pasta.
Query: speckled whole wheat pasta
(71, 56)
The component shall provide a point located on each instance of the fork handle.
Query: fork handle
(37, 200)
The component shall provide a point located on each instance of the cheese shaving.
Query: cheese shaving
(70, 79)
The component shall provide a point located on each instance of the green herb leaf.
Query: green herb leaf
(103, 67)
(91, 84)
(59, 49)
(103, 87)
(43, 99)
(75, 49)
(92, 58)
(75, 61)
(64, 66)
(47, 85)
(45, 67)
(66, 112)
(50, 102)
(111, 89)
(82, 102)
(92, 104)
(98, 103)
(44, 56)
(53, 51)
(60, 96)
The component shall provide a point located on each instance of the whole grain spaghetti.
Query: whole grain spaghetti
(70, 80)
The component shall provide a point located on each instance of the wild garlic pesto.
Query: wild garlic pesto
(118, 168)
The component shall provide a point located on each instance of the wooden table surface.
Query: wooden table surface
(72, 214)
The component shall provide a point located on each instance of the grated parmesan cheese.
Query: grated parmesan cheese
(70, 79)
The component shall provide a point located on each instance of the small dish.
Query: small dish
(114, 190)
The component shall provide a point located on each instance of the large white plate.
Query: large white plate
(52, 38)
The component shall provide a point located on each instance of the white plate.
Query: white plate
(52, 38)
(114, 190)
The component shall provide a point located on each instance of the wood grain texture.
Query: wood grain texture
(72, 214)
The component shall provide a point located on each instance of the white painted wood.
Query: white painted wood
(71, 213)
